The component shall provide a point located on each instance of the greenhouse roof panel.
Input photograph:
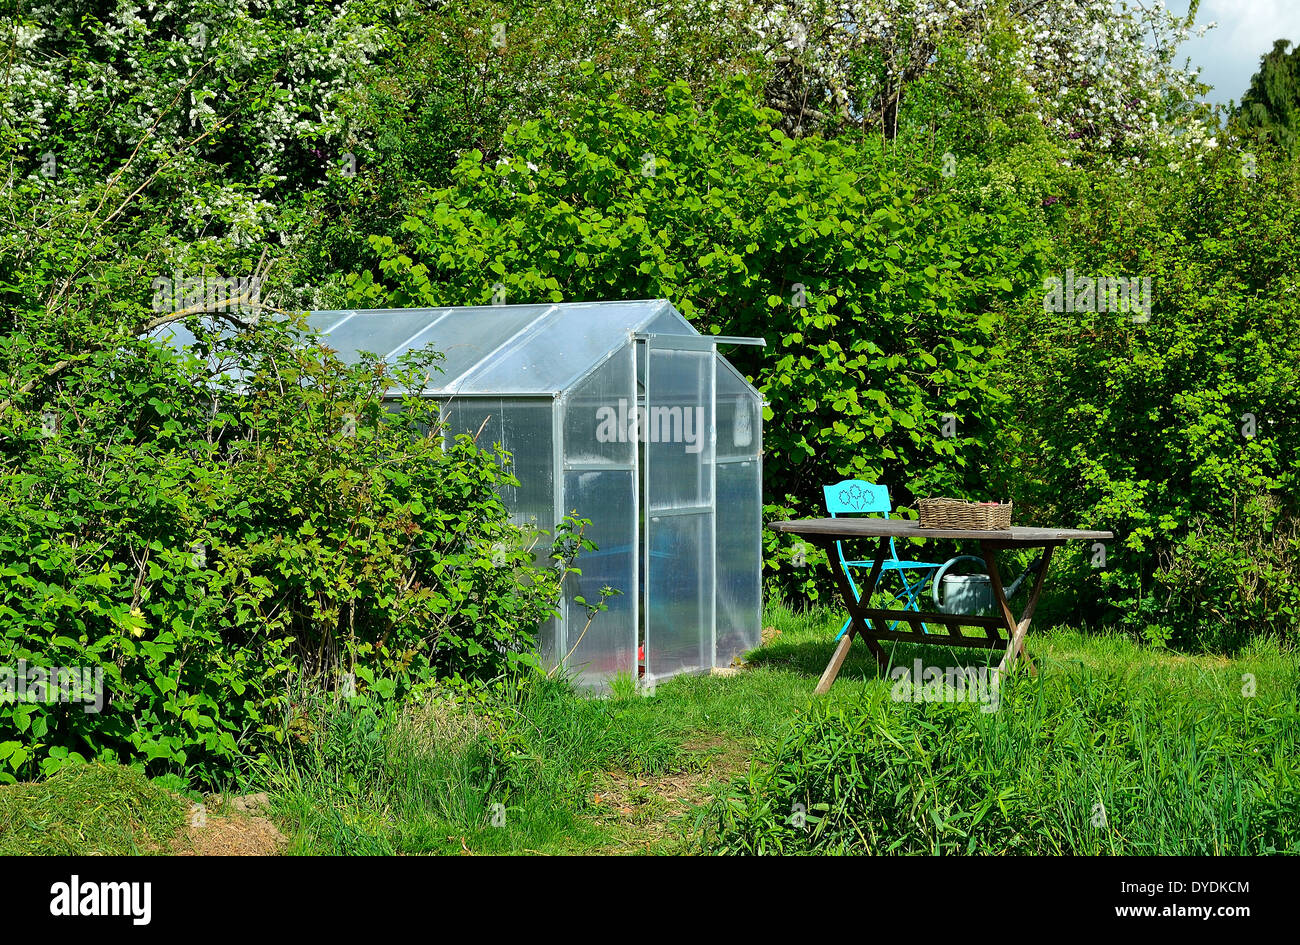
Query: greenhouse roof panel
(559, 349)
(375, 332)
(504, 349)
(464, 336)
(492, 349)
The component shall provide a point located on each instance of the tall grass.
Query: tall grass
(1115, 748)
(1076, 761)
(506, 774)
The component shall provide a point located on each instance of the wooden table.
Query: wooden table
(1002, 630)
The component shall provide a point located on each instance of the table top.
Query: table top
(908, 528)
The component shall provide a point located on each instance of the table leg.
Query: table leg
(856, 622)
(1016, 629)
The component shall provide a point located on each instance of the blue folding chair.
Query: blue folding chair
(855, 497)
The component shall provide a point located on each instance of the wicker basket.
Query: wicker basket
(954, 513)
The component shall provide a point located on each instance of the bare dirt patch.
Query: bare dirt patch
(234, 827)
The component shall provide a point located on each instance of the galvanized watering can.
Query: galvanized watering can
(970, 594)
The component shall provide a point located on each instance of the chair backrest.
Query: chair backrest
(853, 496)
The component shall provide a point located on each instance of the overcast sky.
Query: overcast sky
(1229, 54)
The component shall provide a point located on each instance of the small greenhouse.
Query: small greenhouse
(624, 413)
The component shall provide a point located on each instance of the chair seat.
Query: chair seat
(896, 565)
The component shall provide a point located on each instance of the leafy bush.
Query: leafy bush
(220, 550)
(1180, 432)
(203, 121)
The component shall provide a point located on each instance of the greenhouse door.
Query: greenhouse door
(677, 435)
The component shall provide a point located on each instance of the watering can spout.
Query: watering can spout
(1032, 569)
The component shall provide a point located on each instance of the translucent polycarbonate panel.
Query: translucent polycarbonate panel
(669, 321)
(181, 340)
(739, 560)
(174, 334)
(522, 427)
(548, 646)
(467, 336)
(740, 416)
(600, 415)
(679, 545)
(506, 349)
(561, 348)
(679, 593)
(178, 336)
(527, 433)
(677, 425)
(525, 426)
(377, 332)
(738, 474)
(594, 653)
(323, 321)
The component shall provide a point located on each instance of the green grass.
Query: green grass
(435, 787)
(1153, 759)
(88, 810)
(1167, 743)
(1179, 757)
